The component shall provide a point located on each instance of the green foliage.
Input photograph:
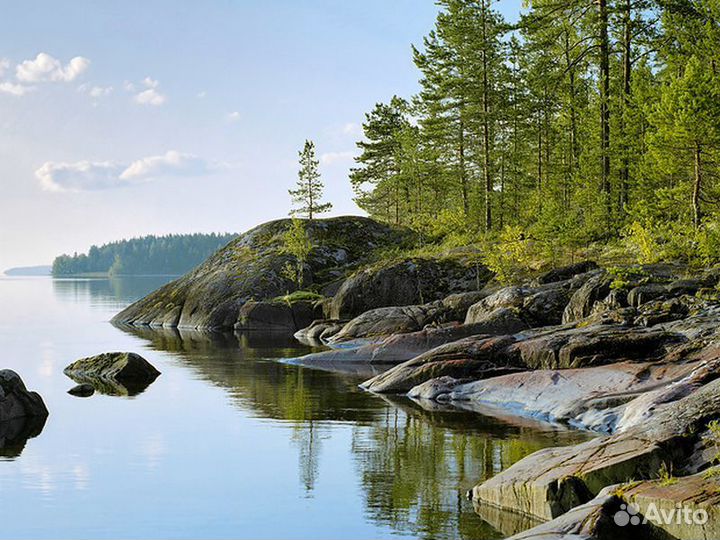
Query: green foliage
(641, 240)
(298, 296)
(544, 127)
(714, 438)
(310, 188)
(665, 475)
(655, 241)
(296, 242)
(171, 255)
(510, 255)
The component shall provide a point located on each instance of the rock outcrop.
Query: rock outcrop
(393, 320)
(477, 357)
(116, 373)
(277, 315)
(407, 282)
(556, 348)
(252, 266)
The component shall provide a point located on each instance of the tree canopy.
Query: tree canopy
(168, 255)
(586, 121)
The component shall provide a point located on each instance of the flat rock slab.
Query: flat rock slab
(483, 356)
(550, 482)
(475, 357)
(661, 510)
(601, 399)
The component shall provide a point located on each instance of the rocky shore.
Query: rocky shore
(631, 354)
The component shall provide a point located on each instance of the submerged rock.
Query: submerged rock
(82, 390)
(15, 433)
(117, 373)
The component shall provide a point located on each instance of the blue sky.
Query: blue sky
(121, 119)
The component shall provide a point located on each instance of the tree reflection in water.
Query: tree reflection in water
(413, 465)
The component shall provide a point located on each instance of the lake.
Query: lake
(228, 442)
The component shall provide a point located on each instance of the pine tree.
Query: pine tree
(687, 139)
(309, 190)
(376, 180)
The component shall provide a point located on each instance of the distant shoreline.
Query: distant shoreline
(106, 275)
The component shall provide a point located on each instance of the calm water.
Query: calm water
(227, 442)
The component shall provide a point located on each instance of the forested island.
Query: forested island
(173, 254)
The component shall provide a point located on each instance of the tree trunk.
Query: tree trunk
(604, 46)
(463, 172)
(573, 113)
(486, 123)
(697, 187)
(627, 90)
(539, 152)
(310, 200)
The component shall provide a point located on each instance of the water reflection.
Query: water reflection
(15, 433)
(112, 387)
(110, 291)
(413, 464)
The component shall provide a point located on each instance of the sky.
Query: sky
(121, 119)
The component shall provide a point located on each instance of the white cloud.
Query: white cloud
(150, 83)
(95, 91)
(234, 116)
(80, 176)
(150, 96)
(351, 128)
(202, 94)
(4, 65)
(332, 158)
(15, 89)
(100, 175)
(46, 68)
(171, 163)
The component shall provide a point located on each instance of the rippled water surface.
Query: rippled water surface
(228, 442)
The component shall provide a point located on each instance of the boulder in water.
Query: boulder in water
(115, 373)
